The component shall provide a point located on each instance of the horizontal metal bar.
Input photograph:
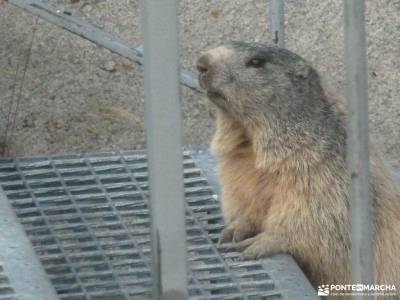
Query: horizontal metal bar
(94, 34)
(358, 142)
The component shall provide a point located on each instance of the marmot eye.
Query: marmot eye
(256, 62)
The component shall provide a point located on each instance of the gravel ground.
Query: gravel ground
(77, 97)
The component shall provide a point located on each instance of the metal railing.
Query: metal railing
(164, 148)
(163, 125)
(357, 143)
(277, 22)
(94, 34)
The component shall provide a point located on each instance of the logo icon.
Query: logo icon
(323, 290)
(359, 288)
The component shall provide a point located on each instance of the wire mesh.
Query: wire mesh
(87, 217)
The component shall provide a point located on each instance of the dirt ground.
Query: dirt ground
(61, 94)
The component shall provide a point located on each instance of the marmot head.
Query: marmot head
(249, 79)
(277, 97)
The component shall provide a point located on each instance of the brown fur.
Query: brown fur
(279, 199)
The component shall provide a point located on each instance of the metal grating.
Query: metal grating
(87, 218)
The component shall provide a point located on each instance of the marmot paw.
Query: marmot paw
(262, 245)
(236, 232)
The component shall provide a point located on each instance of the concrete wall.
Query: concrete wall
(78, 97)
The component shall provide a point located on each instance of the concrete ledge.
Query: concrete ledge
(17, 257)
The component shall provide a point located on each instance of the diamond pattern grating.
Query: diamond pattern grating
(87, 218)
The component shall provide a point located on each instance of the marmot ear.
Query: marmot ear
(302, 70)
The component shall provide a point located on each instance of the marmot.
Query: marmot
(280, 141)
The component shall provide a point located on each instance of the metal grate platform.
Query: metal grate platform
(88, 221)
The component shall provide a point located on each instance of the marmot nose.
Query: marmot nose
(203, 63)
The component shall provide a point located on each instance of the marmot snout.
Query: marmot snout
(280, 142)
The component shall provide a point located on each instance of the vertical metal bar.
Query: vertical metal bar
(164, 143)
(358, 142)
(277, 22)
